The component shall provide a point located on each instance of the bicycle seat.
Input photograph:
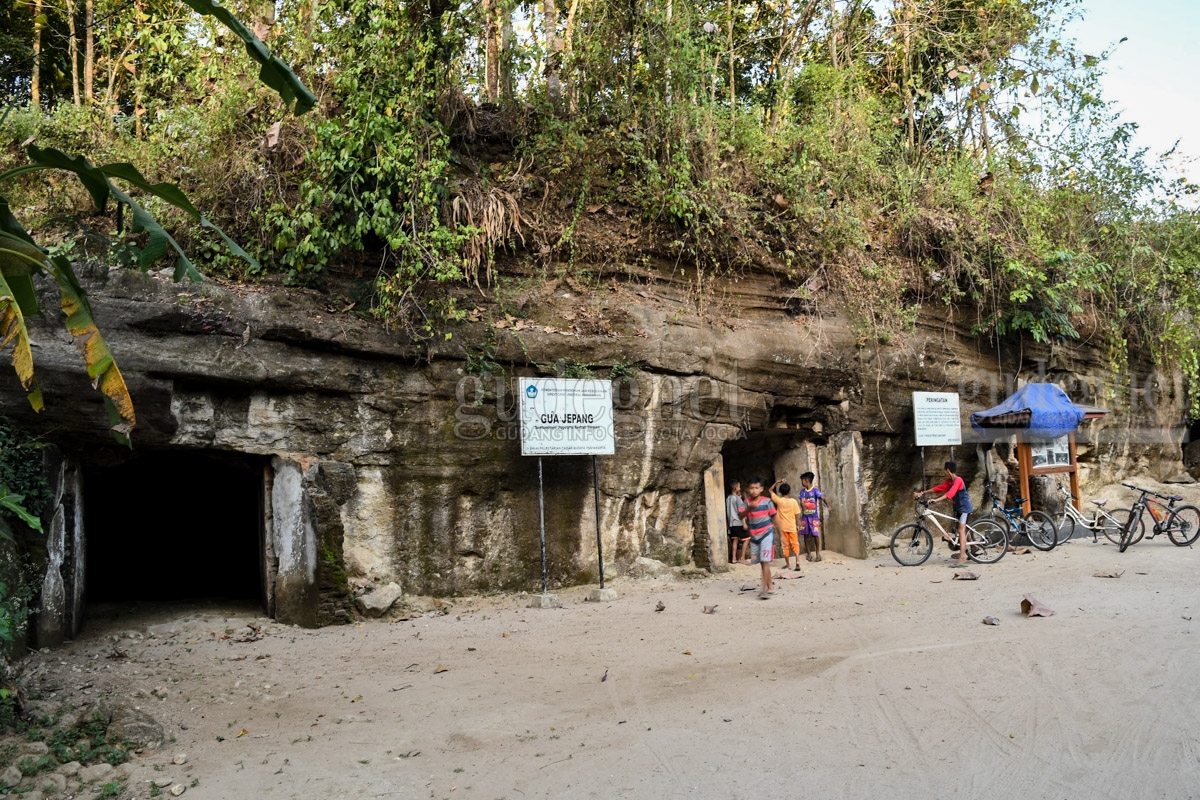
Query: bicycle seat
(1017, 501)
(1102, 502)
(1175, 498)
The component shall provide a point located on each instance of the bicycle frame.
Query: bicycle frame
(1095, 523)
(927, 513)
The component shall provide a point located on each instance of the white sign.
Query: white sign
(937, 419)
(563, 417)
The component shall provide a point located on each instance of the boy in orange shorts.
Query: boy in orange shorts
(789, 511)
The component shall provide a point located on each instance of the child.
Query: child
(757, 514)
(955, 489)
(810, 518)
(789, 511)
(739, 542)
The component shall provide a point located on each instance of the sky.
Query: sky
(1152, 77)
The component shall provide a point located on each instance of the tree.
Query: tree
(21, 258)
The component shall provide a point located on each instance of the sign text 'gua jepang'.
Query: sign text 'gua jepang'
(565, 417)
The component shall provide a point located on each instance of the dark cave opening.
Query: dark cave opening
(174, 525)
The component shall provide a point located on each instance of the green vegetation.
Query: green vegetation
(892, 158)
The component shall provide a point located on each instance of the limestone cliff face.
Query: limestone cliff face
(404, 457)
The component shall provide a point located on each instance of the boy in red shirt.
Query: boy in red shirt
(955, 489)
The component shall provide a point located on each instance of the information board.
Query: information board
(937, 418)
(566, 417)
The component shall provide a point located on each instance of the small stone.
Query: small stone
(161, 692)
(136, 726)
(161, 783)
(53, 783)
(33, 794)
(177, 790)
(70, 769)
(180, 758)
(11, 776)
(95, 773)
(374, 604)
(35, 748)
(126, 769)
(68, 721)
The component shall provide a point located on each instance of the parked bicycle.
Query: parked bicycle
(1036, 526)
(1181, 524)
(912, 543)
(1110, 523)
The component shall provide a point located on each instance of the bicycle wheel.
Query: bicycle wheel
(998, 519)
(987, 542)
(1183, 526)
(1064, 526)
(1040, 529)
(1112, 525)
(911, 545)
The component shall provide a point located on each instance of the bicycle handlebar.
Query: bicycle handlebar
(1173, 497)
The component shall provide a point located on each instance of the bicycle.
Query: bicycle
(1110, 523)
(912, 543)
(1180, 523)
(1036, 526)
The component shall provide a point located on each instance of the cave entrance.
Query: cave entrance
(757, 454)
(176, 525)
(770, 454)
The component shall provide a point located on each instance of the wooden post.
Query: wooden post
(1024, 467)
(1074, 476)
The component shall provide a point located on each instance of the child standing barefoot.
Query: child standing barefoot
(757, 514)
(789, 513)
(810, 517)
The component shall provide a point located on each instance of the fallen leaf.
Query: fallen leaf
(1110, 574)
(355, 700)
(687, 652)
(990, 621)
(710, 609)
(966, 576)
(695, 596)
(604, 677)
(242, 733)
(440, 670)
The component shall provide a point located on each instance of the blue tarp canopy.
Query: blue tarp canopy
(1038, 410)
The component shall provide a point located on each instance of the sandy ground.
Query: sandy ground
(861, 679)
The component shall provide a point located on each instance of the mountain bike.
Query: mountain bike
(1181, 524)
(1110, 523)
(1036, 526)
(912, 543)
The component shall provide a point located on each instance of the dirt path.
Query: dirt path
(861, 679)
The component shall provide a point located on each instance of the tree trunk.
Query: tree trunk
(568, 44)
(554, 47)
(89, 51)
(492, 47)
(732, 81)
(35, 75)
(506, 40)
(73, 51)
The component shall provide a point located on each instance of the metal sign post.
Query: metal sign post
(562, 417)
(542, 524)
(596, 495)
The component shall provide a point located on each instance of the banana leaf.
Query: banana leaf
(101, 366)
(19, 259)
(16, 256)
(274, 73)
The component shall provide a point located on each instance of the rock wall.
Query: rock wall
(398, 460)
